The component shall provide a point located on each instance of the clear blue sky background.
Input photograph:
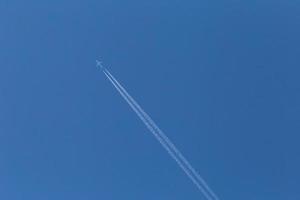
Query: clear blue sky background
(220, 77)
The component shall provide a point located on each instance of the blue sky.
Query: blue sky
(221, 78)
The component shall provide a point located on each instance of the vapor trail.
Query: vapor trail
(164, 137)
(164, 140)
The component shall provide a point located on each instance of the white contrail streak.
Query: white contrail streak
(164, 137)
(164, 140)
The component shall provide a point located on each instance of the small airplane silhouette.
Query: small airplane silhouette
(99, 64)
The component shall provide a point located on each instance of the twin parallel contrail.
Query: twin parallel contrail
(172, 150)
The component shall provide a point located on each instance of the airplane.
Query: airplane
(99, 64)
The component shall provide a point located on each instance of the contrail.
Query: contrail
(164, 140)
(164, 137)
(163, 143)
